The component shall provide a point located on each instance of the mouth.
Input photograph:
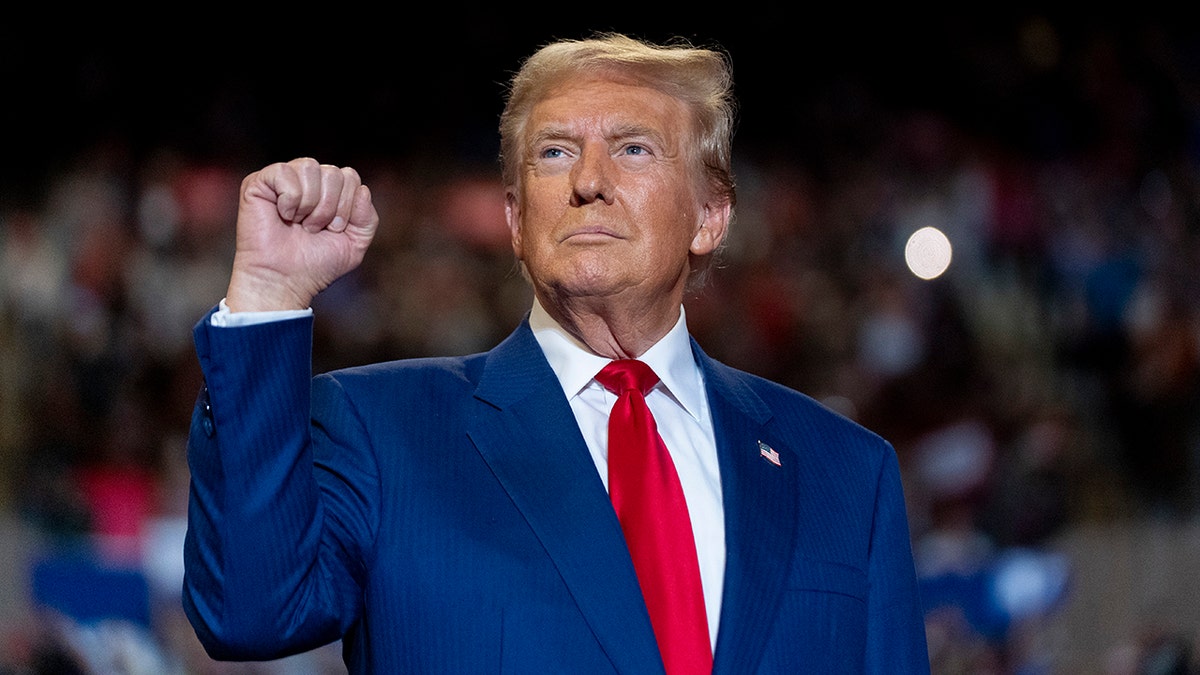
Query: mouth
(591, 235)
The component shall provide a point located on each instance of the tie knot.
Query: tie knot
(624, 374)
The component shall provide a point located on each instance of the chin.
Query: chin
(584, 284)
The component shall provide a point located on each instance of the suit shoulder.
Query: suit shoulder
(430, 372)
(791, 407)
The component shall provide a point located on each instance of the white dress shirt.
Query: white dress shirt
(680, 409)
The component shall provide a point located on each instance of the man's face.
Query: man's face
(609, 204)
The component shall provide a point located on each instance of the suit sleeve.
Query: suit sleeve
(276, 534)
(896, 640)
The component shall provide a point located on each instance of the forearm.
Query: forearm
(254, 584)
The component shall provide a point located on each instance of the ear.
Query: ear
(713, 226)
(512, 214)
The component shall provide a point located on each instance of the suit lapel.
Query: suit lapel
(526, 432)
(760, 504)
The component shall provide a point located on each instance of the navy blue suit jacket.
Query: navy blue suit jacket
(444, 515)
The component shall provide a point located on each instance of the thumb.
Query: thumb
(364, 218)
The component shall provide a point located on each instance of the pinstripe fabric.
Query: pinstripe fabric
(443, 516)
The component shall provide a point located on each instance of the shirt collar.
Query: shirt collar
(575, 365)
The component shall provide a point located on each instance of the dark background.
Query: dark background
(1048, 411)
(386, 83)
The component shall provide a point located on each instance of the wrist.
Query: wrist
(253, 293)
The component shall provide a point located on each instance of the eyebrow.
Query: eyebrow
(627, 131)
(621, 132)
(549, 133)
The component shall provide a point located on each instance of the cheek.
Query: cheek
(543, 203)
(679, 220)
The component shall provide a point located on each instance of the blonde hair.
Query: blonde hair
(701, 78)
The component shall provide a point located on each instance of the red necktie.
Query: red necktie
(649, 502)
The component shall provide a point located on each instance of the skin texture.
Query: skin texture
(301, 225)
(610, 208)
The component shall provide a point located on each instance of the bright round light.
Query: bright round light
(927, 253)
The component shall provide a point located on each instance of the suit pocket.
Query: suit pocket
(822, 621)
(810, 574)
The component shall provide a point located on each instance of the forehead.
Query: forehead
(606, 102)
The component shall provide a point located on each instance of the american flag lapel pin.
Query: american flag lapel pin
(768, 453)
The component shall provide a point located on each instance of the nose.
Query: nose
(591, 177)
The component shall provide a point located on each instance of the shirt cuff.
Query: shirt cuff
(224, 318)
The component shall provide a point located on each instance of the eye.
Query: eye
(636, 150)
(552, 153)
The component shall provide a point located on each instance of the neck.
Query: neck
(615, 330)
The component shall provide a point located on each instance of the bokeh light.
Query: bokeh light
(928, 253)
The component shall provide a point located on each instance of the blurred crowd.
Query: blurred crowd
(1049, 379)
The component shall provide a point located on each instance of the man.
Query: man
(453, 514)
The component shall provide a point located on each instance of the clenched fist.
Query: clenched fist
(300, 226)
